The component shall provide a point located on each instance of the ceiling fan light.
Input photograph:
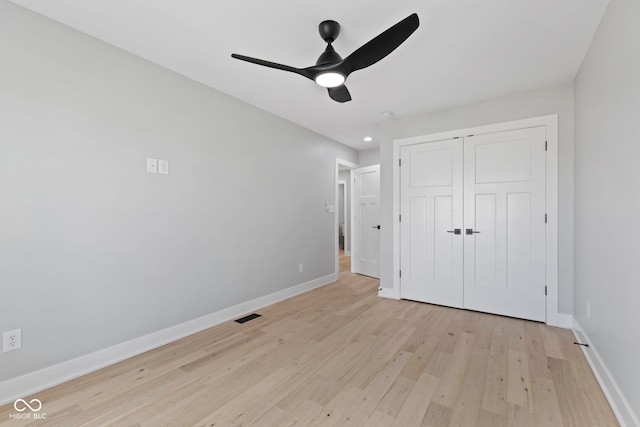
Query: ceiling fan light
(330, 79)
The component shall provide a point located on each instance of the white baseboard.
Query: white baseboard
(34, 382)
(565, 321)
(388, 293)
(619, 404)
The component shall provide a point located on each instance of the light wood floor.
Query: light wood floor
(339, 355)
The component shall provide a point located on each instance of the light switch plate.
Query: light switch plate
(163, 166)
(152, 165)
(329, 207)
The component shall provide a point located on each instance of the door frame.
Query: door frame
(351, 166)
(551, 173)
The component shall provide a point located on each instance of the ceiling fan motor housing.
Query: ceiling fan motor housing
(329, 30)
(329, 56)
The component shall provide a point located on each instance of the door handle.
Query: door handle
(455, 231)
(470, 231)
(376, 226)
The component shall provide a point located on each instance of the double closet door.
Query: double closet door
(472, 230)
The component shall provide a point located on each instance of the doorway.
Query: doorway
(343, 213)
(344, 235)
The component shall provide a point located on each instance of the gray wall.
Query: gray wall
(94, 251)
(552, 100)
(608, 195)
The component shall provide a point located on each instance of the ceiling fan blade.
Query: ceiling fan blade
(302, 72)
(339, 93)
(381, 46)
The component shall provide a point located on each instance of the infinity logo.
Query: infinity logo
(26, 405)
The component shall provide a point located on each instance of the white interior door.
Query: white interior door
(504, 193)
(431, 223)
(495, 185)
(365, 258)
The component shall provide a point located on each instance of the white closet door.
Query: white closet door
(504, 202)
(431, 206)
(366, 256)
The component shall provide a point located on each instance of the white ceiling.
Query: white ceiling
(464, 51)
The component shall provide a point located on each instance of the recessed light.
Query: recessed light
(368, 139)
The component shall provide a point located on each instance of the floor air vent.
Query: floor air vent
(249, 317)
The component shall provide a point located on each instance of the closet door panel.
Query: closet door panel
(431, 206)
(504, 192)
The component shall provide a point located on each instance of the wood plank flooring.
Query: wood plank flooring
(341, 356)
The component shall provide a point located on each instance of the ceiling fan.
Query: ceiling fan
(331, 70)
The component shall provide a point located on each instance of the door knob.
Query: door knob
(470, 231)
(376, 226)
(455, 231)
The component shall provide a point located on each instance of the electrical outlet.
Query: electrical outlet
(12, 340)
(300, 268)
(588, 310)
